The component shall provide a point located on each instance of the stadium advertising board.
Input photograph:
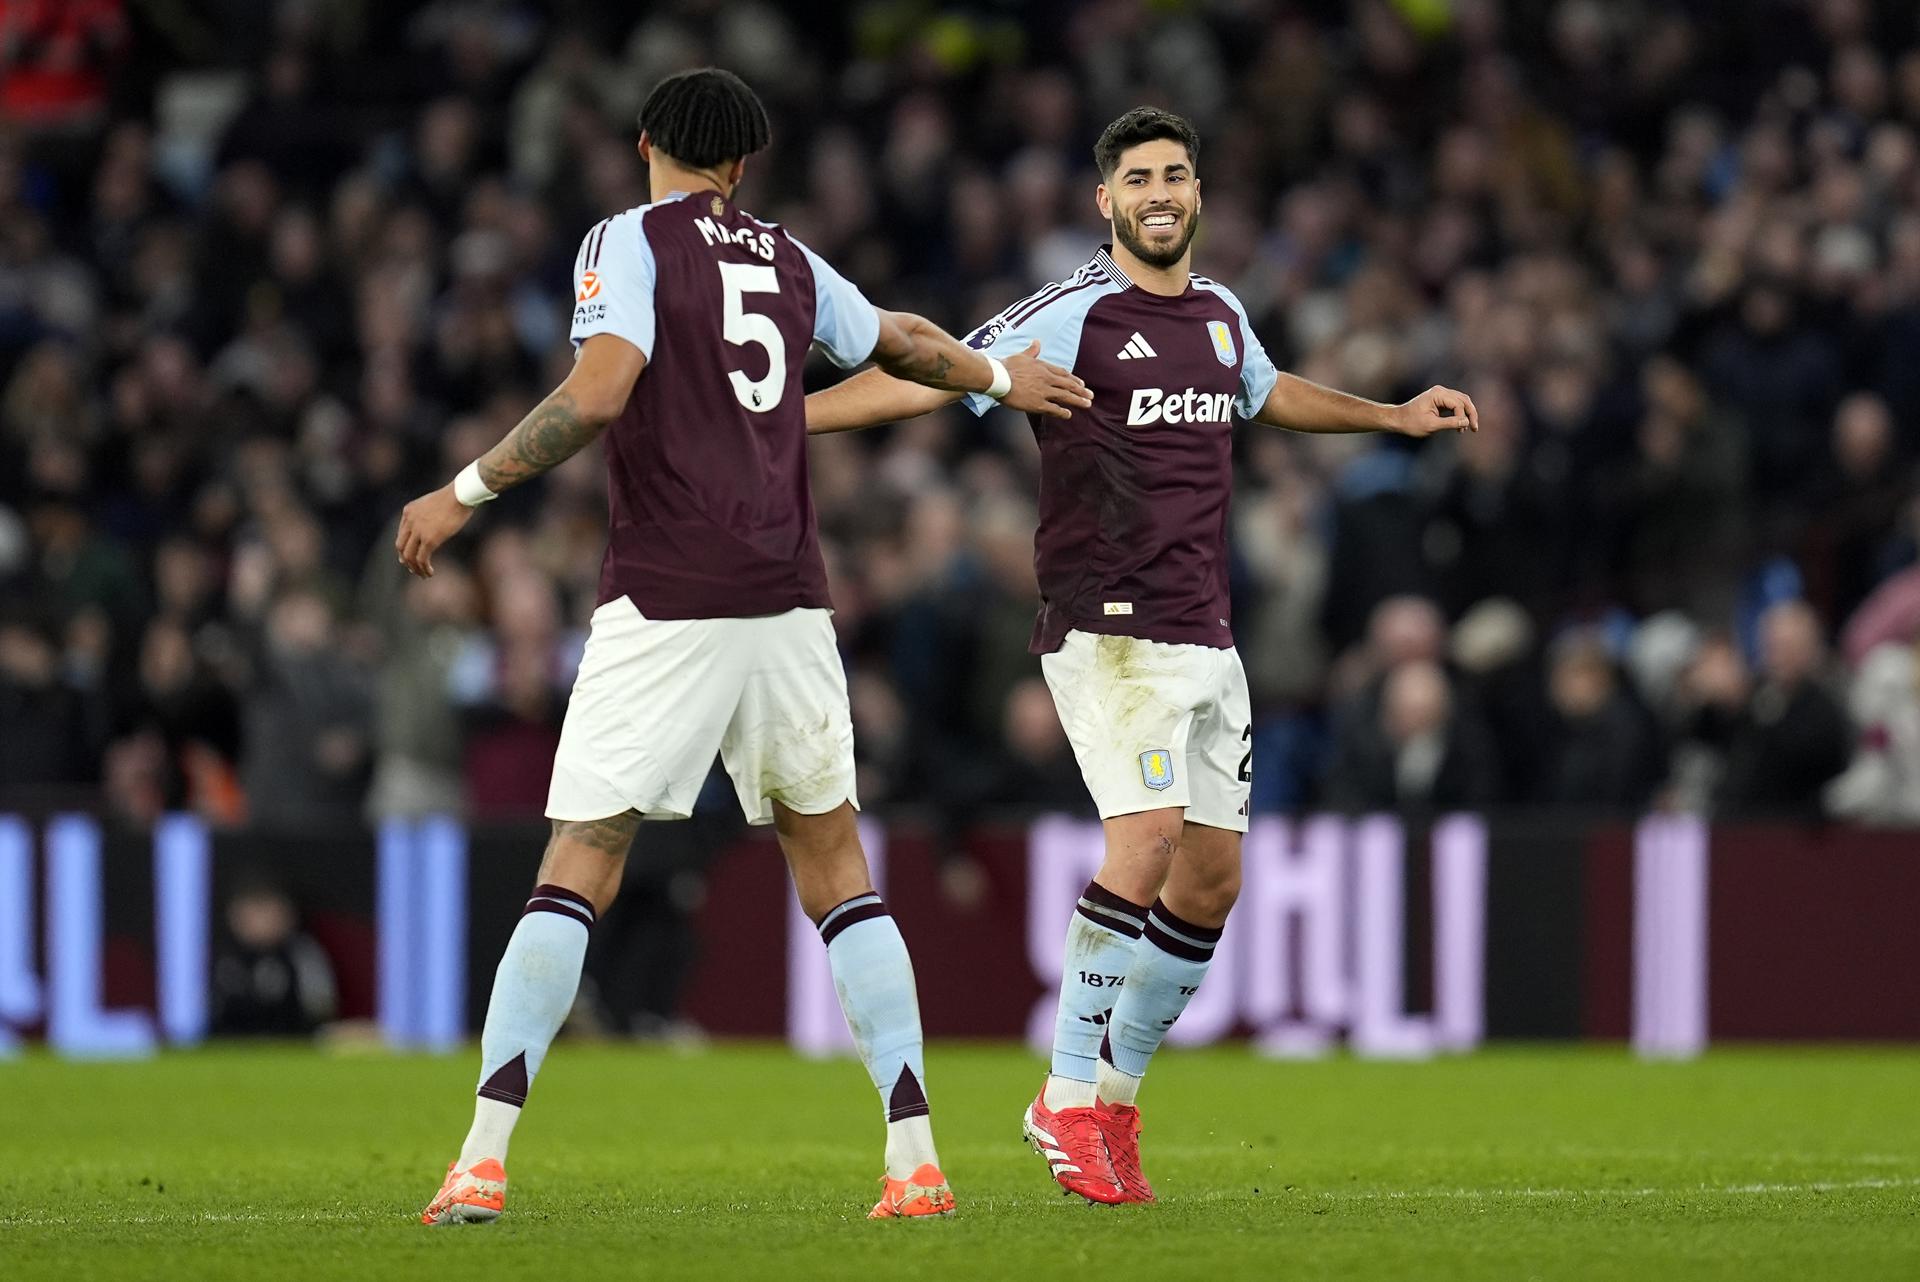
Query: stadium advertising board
(1391, 941)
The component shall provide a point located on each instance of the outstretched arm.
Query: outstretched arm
(1301, 406)
(870, 398)
(559, 427)
(914, 348)
(920, 368)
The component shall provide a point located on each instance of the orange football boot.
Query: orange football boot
(925, 1192)
(473, 1196)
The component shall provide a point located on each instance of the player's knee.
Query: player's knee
(1147, 840)
(824, 855)
(589, 856)
(1205, 901)
(1137, 870)
(823, 838)
(1206, 880)
(1216, 893)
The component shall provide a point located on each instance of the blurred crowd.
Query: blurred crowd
(269, 269)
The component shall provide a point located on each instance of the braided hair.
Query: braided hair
(705, 117)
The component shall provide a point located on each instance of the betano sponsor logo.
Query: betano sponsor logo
(1152, 405)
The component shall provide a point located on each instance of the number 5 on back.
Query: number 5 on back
(742, 327)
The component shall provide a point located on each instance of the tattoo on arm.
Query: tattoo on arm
(554, 432)
(927, 367)
(928, 358)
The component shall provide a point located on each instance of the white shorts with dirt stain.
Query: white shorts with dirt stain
(656, 698)
(1155, 724)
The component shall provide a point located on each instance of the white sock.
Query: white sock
(909, 1146)
(1116, 1087)
(492, 1128)
(1065, 1092)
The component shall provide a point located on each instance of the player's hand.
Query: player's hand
(1438, 409)
(425, 524)
(1040, 388)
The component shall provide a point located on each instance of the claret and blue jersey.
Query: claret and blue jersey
(1134, 491)
(711, 515)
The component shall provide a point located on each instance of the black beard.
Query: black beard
(1127, 233)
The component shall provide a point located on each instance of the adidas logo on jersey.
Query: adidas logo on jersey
(1151, 405)
(1137, 349)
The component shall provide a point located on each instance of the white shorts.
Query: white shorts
(1155, 725)
(656, 698)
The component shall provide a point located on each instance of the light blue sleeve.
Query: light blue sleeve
(613, 279)
(1055, 324)
(1257, 372)
(845, 324)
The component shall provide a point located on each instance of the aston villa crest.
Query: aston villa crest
(1222, 336)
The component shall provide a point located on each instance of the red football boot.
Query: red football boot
(1076, 1154)
(1120, 1128)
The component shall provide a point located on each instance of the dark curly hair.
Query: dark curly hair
(705, 117)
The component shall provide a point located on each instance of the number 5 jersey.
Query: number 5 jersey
(711, 514)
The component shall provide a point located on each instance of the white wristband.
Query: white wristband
(470, 489)
(1002, 381)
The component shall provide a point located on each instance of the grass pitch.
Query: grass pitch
(744, 1163)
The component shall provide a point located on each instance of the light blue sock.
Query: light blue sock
(1101, 939)
(533, 989)
(1167, 969)
(874, 977)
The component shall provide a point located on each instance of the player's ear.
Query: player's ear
(646, 148)
(738, 172)
(1104, 199)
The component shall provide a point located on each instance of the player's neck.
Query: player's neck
(1170, 281)
(665, 178)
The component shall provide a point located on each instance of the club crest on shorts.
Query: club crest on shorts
(1222, 341)
(1156, 769)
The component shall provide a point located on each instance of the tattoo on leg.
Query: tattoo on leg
(611, 836)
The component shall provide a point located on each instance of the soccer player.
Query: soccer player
(693, 319)
(1133, 633)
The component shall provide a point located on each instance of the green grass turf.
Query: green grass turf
(744, 1163)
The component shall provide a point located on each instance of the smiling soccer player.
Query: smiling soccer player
(1134, 632)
